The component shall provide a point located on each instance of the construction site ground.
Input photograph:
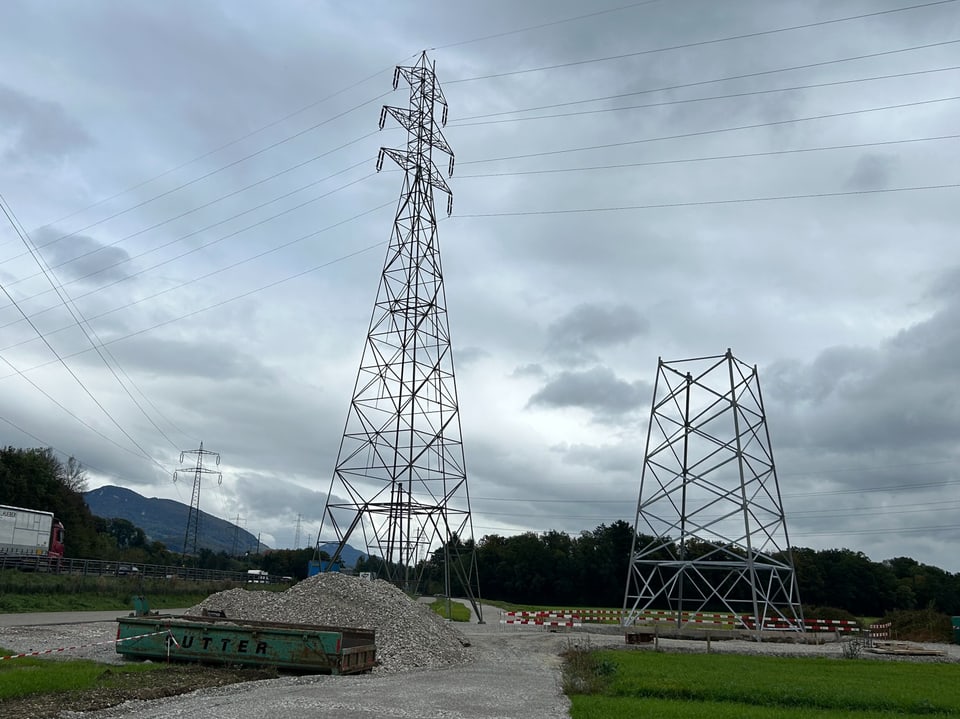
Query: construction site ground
(512, 672)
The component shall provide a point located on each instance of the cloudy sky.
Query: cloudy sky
(633, 181)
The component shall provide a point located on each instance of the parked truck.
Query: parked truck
(29, 533)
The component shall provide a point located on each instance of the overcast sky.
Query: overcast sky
(652, 179)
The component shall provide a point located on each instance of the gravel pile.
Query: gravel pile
(409, 635)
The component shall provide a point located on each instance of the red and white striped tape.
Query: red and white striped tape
(92, 644)
(542, 622)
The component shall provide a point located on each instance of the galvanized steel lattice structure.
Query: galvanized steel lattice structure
(400, 479)
(710, 533)
(193, 515)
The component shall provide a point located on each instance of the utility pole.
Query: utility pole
(193, 516)
(296, 536)
(400, 479)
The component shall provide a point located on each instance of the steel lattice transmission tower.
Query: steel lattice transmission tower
(710, 532)
(193, 516)
(400, 479)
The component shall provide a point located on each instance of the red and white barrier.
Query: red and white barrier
(540, 619)
(83, 646)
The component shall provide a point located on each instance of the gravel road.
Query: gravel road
(509, 672)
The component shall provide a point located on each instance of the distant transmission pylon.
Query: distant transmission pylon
(400, 480)
(710, 533)
(236, 536)
(193, 516)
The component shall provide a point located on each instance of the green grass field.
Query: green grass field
(648, 683)
(29, 592)
(31, 675)
(459, 613)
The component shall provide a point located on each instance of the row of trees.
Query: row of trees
(554, 569)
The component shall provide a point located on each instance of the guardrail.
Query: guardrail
(650, 617)
(102, 568)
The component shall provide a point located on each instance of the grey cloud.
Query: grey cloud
(834, 369)
(40, 129)
(268, 496)
(81, 257)
(573, 338)
(623, 458)
(904, 395)
(530, 370)
(597, 389)
(872, 171)
(946, 286)
(184, 359)
(467, 356)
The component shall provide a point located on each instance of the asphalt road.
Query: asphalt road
(40, 619)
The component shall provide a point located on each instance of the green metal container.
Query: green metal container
(956, 629)
(221, 640)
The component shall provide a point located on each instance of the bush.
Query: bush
(813, 612)
(585, 671)
(920, 625)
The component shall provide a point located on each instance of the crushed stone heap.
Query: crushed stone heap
(409, 634)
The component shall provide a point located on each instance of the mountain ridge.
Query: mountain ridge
(165, 520)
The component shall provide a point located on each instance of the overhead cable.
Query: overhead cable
(700, 133)
(700, 43)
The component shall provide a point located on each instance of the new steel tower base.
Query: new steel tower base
(711, 536)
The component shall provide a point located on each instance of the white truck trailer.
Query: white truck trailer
(29, 533)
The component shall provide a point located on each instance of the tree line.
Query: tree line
(590, 570)
(548, 569)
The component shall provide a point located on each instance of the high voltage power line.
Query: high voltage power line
(199, 248)
(643, 140)
(705, 203)
(464, 124)
(715, 131)
(709, 158)
(711, 98)
(11, 218)
(499, 214)
(540, 26)
(224, 146)
(713, 81)
(701, 43)
(221, 303)
(198, 179)
(372, 100)
(303, 163)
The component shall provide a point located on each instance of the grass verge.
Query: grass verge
(46, 688)
(635, 683)
(458, 612)
(26, 592)
(31, 675)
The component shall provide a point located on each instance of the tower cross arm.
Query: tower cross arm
(407, 119)
(410, 163)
